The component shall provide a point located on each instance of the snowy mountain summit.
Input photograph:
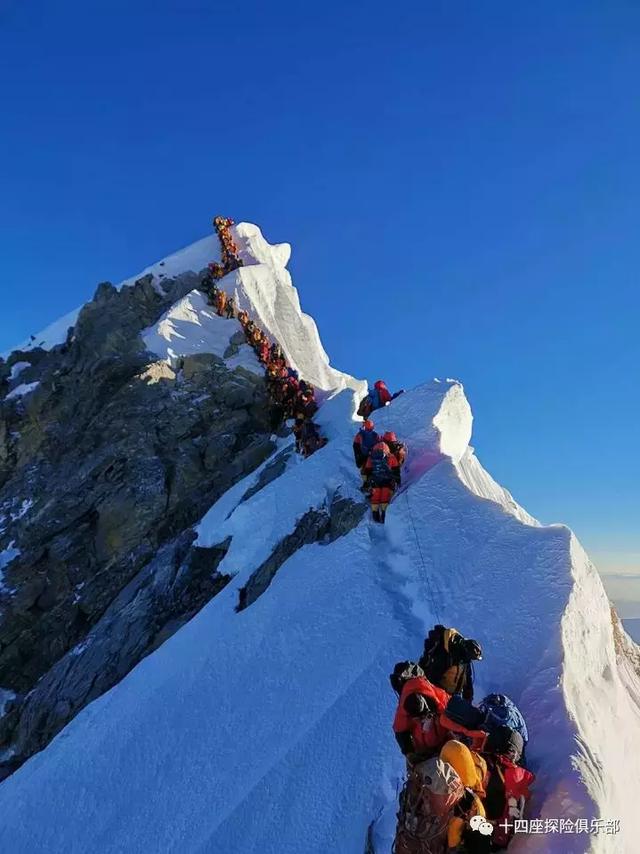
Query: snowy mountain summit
(197, 624)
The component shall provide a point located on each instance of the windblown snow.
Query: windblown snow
(269, 730)
(21, 390)
(192, 326)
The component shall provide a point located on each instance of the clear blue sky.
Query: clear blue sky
(460, 183)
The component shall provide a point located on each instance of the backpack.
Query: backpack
(380, 471)
(365, 408)
(432, 790)
(500, 710)
(438, 655)
(445, 662)
(462, 712)
(402, 672)
(369, 439)
(374, 398)
(399, 451)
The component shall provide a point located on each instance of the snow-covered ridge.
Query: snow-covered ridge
(21, 390)
(191, 326)
(193, 257)
(302, 673)
(48, 337)
(263, 287)
(269, 730)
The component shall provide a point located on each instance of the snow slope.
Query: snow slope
(191, 326)
(263, 287)
(50, 336)
(194, 257)
(268, 731)
(21, 390)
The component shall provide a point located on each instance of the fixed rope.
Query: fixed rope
(430, 592)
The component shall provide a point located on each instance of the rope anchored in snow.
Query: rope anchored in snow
(425, 575)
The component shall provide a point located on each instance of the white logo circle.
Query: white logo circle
(481, 825)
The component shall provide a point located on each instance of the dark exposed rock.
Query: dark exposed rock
(269, 473)
(323, 525)
(235, 342)
(369, 846)
(166, 593)
(103, 467)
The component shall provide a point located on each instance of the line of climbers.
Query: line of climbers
(379, 458)
(466, 780)
(230, 260)
(290, 396)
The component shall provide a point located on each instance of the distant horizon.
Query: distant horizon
(460, 192)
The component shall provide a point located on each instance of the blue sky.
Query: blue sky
(459, 181)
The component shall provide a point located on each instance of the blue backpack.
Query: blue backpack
(374, 398)
(499, 710)
(464, 713)
(369, 439)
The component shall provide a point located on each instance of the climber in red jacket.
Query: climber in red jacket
(416, 724)
(421, 724)
(384, 395)
(507, 783)
(263, 353)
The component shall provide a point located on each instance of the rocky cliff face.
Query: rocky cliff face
(104, 466)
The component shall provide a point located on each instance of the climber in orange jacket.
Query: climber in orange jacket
(221, 302)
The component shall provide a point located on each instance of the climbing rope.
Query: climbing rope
(430, 593)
